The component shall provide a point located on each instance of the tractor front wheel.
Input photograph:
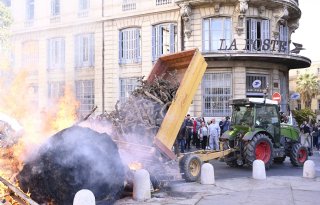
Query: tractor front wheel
(260, 147)
(190, 167)
(298, 155)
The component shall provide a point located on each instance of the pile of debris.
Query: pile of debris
(73, 159)
(143, 112)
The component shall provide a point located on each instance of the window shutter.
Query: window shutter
(160, 41)
(91, 49)
(154, 43)
(76, 51)
(62, 53)
(265, 31)
(120, 47)
(253, 29)
(49, 53)
(172, 39)
(81, 51)
(138, 46)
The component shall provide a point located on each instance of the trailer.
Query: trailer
(190, 67)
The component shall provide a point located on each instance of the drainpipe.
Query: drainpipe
(103, 48)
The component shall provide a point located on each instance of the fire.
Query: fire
(135, 166)
(37, 124)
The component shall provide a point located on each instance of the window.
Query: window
(163, 2)
(55, 7)
(84, 50)
(216, 93)
(257, 31)
(128, 5)
(55, 90)
(164, 39)
(30, 10)
(129, 46)
(215, 29)
(85, 95)
(30, 56)
(56, 53)
(283, 36)
(127, 85)
(256, 92)
(83, 8)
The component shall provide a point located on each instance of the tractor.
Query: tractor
(256, 132)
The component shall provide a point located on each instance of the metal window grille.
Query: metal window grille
(216, 93)
(128, 5)
(30, 10)
(127, 85)
(163, 2)
(30, 56)
(129, 46)
(256, 92)
(164, 39)
(55, 53)
(84, 50)
(85, 95)
(215, 29)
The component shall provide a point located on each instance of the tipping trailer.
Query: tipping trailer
(190, 66)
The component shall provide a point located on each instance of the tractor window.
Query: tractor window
(266, 115)
(242, 115)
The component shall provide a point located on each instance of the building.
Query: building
(293, 75)
(101, 48)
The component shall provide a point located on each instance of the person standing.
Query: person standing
(203, 134)
(182, 138)
(189, 131)
(306, 130)
(225, 125)
(214, 134)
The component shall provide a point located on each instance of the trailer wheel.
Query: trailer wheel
(260, 147)
(298, 155)
(190, 167)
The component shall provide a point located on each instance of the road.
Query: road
(223, 171)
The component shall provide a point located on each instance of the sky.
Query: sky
(308, 32)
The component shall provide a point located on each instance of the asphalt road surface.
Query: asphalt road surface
(223, 171)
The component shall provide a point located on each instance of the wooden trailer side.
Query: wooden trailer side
(191, 66)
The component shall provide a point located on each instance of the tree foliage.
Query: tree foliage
(304, 115)
(308, 87)
(5, 23)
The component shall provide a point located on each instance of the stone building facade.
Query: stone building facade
(243, 41)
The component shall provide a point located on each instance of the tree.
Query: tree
(304, 115)
(308, 87)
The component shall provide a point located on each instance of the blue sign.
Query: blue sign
(295, 96)
(256, 84)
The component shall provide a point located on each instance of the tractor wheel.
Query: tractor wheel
(279, 160)
(190, 167)
(298, 155)
(260, 147)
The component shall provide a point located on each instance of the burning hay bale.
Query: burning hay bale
(143, 112)
(73, 159)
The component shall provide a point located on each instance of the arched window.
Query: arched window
(130, 45)
(164, 39)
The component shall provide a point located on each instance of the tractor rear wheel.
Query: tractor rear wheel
(190, 167)
(298, 154)
(260, 147)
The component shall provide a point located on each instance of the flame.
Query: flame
(135, 166)
(38, 124)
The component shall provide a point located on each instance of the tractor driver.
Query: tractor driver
(247, 116)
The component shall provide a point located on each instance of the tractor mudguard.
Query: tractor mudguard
(227, 135)
(249, 135)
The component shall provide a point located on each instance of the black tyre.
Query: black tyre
(190, 167)
(298, 155)
(279, 160)
(260, 147)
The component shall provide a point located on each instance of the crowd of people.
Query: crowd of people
(196, 133)
(310, 135)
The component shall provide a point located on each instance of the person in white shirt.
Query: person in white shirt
(214, 133)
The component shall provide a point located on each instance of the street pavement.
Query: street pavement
(275, 190)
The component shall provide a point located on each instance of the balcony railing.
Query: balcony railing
(128, 5)
(163, 2)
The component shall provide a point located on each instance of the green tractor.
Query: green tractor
(256, 132)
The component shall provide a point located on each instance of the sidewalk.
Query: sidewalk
(277, 190)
